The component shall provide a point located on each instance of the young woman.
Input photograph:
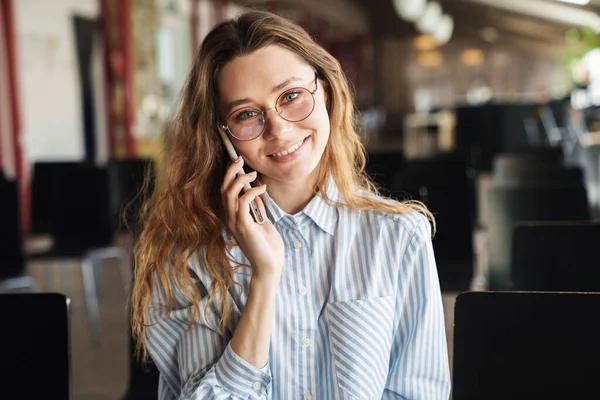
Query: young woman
(336, 295)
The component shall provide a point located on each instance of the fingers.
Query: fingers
(244, 203)
(231, 173)
(234, 182)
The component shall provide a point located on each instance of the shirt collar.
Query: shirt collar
(318, 210)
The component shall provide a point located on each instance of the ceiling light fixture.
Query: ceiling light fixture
(578, 2)
(431, 18)
(410, 10)
(443, 31)
(424, 43)
(543, 10)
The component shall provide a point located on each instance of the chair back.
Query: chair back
(82, 211)
(12, 261)
(383, 165)
(45, 193)
(443, 185)
(556, 256)
(513, 204)
(126, 178)
(524, 345)
(35, 346)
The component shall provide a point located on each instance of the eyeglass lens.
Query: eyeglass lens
(293, 106)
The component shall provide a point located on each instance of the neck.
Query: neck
(291, 197)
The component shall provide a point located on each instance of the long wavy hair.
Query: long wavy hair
(184, 215)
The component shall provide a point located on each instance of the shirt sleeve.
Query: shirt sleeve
(197, 362)
(419, 368)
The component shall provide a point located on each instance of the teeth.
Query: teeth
(289, 151)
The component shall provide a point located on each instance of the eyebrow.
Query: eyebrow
(275, 89)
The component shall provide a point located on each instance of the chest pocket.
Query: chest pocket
(360, 334)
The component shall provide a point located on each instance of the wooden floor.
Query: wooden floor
(100, 372)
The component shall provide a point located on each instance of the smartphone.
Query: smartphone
(254, 210)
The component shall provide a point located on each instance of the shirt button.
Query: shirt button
(303, 291)
(307, 396)
(257, 385)
(306, 342)
(297, 245)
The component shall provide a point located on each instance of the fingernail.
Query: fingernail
(264, 185)
(238, 159)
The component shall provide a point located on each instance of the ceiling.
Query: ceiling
(471, 17)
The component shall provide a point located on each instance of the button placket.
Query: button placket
(306, 342)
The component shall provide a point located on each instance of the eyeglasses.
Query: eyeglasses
(293, 105)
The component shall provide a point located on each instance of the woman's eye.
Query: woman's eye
(290, 96)
(245, 115)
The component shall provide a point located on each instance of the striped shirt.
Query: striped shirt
(358, 315)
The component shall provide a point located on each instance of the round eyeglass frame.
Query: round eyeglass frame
(264, 112)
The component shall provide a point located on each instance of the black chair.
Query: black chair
(443, 185)
(77, 214)
(383, 166)
(522, 345)
(555, 256)
(126, 178)
(12, 258)
(513, 204)
(45, 194)
(35, 346)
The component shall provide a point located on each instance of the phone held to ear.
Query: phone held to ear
(254, 210)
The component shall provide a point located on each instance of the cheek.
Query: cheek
(245, 149)
(319, 119)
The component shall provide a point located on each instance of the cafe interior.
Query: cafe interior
(487, 111)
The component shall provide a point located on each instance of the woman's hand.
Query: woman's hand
(261, 244)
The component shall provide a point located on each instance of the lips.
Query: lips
(289, 150)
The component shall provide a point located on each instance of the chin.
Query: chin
(292, 174)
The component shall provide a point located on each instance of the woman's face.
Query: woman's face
(286, 151)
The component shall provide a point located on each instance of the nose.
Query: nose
(276, 127)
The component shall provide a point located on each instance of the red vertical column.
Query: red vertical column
(323, 34)
(272, 6)
(220, 10)
(127, 40)
(105, 24)
(2, 76)
(305, 23)
(9, 34)
(195, 24)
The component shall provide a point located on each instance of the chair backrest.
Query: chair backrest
(512, 204)
(126, 178)
(442, 183)
(83, 210)
(539, 174)
(382, 166)
(11, 243)
(523, 345)
(556, 256)
(45, 193)
(35, 346)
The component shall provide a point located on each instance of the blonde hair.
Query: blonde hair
(184, 213)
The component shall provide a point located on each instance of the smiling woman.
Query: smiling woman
(336, 294)
(287, 139)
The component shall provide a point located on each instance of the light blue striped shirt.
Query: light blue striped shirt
(358, 315)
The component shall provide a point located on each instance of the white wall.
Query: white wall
(49, 89)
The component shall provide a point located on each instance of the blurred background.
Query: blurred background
(488, 111)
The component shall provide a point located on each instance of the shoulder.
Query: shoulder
(409, 222)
